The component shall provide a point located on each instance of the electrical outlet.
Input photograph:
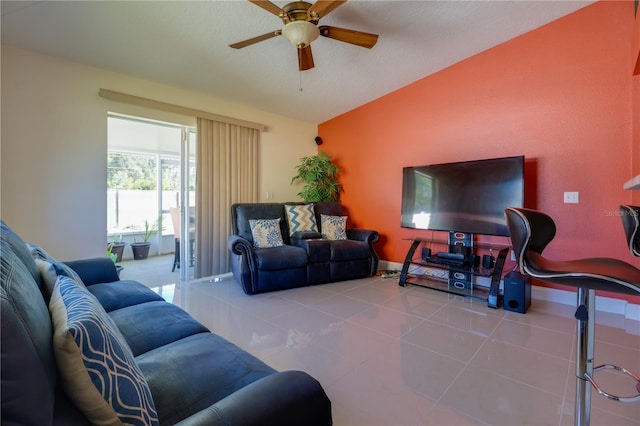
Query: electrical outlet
(571, 197)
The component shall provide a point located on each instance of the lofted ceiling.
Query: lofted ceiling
(185, 44)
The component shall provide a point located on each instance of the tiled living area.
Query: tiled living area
(388, 355)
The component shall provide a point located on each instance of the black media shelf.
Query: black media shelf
(459, 279)
(477, 292)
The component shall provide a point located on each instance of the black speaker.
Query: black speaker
(426, 253)
(318, 140)
(488, 261)
(517, 292)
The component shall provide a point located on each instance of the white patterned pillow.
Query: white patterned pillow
(266, 233)
(97, 367)
(301, 218)
(50, 270)
(38, 252)
(333, 227)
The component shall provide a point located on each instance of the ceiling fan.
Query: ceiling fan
(300, 20)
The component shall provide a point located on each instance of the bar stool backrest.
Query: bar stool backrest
(630, 216)
(523, 238)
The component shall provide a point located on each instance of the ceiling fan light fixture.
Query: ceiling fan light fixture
(300, 33)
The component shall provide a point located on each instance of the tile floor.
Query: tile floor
(153, 271)
(390, 355)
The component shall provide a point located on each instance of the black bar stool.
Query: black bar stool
(631, 221)
(531, 231)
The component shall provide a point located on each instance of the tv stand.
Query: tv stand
(454, 275)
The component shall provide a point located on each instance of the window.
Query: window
(131, 191)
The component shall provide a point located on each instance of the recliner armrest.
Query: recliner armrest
(306, 235)
(286, 398)
(239, 245)
(360, 234)
(95, 270)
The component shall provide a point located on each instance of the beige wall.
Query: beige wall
(54, 146)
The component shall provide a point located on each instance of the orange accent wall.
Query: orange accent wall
(635, 51)
(636, 133)
(561, 95)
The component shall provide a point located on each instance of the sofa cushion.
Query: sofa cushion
(28, 371)
(333, 227)
(301, 218)
(170, 371)
(153, 324)
(96, 365)
(12, 242)
(120, 294)
(349, 250)
(317, 250)
(266, 233)
(283, 257)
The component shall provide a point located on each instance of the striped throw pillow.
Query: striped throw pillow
(301, 218)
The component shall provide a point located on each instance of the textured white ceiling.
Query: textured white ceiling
(185, 44)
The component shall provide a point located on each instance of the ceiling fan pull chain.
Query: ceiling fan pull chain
(300, 81)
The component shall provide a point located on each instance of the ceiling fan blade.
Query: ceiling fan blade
(324, 7)
(254, 40)
(305, 58)
(268, 6)
(349, 36)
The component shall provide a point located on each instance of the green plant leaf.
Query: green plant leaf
(319, 176)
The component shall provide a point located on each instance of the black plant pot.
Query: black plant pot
(118, 249)
(140, 250)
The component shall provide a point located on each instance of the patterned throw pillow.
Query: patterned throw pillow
(50, 270)
(38, 252)
(333, 227)
(97, 367)
(266, 233)
(301, 218)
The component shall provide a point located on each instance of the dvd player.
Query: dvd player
(450, 256)
(443, 261)
(444, 258)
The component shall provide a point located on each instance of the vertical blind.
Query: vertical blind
(226, 173)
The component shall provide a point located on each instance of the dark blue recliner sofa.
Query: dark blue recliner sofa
(194, 377)
(305, 258)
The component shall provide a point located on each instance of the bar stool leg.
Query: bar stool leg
(585, 316)
(176, 255)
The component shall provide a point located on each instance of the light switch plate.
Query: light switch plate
(571, 197)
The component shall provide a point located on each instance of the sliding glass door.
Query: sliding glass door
(151, 177)
(188, 203)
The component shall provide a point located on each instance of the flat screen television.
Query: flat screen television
(467, 196)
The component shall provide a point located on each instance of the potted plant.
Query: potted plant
(115, 249)
(141, 248)
(116, 256)
(319, 174)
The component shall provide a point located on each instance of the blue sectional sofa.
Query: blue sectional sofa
(307, 244)
(80, 346)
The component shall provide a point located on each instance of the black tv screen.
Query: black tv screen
(467, 196)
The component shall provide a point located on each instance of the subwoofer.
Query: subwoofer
(517, 292)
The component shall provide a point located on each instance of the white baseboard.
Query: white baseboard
(386, 265)
(630, 311)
